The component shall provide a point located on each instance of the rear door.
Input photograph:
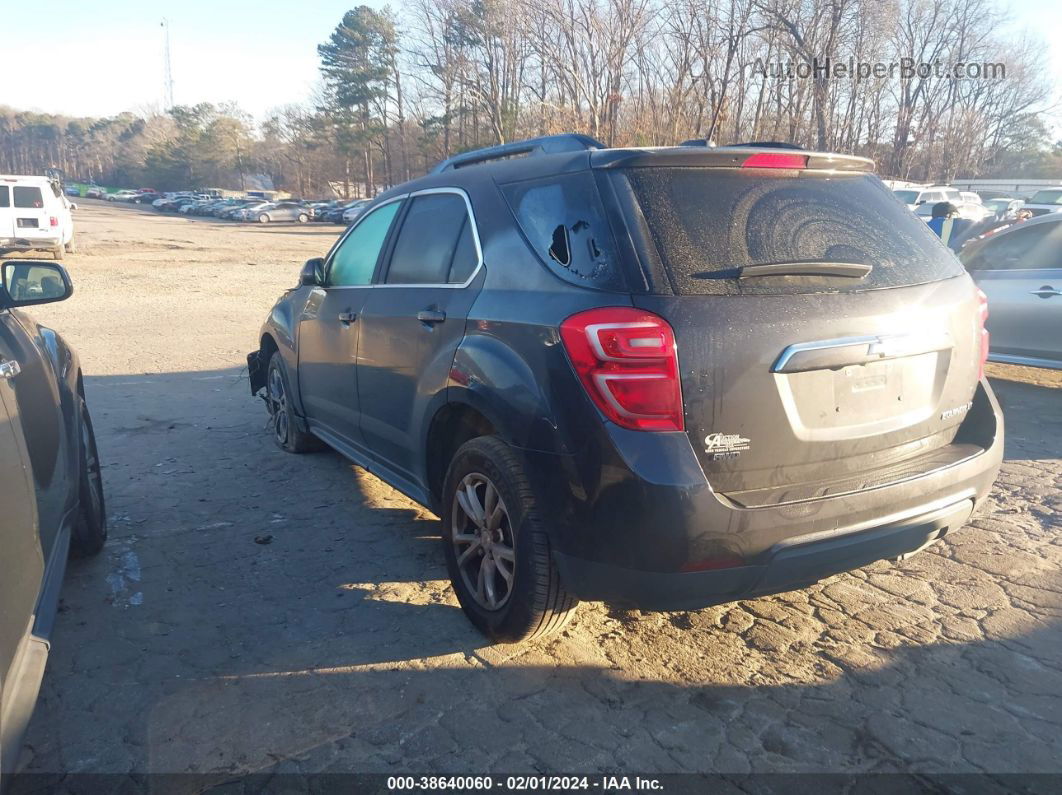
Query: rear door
(331, 324)
(1021, 273)
(795, 380)
(413, 321)
(31, 217)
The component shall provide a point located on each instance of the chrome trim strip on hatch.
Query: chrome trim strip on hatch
(878, 347)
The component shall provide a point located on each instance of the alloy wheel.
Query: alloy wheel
(278, 405)
(483, 541)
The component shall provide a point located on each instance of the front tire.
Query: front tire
(285, 425)
(263, 219)
(71, 247)
(497, 548)
(303, 218)
(90, 530)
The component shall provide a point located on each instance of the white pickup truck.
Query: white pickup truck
(35, 216)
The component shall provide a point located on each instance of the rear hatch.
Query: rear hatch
(827, 341)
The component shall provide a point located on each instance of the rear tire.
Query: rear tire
(71, 247)
(90, 531)
(57, 253)
(303, 218)
(497, 548)
(285, 425)
(263, 219)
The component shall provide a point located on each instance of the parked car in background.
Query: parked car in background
(354, 211)
(35, 216)
(607, 371)
(1046, 200)
(1003, 207)
(50, 486)
(282, 211)
(121, 196)
(335, 214)
(1020, 270)
(252, 211)
(73, 191)
(95, 192)
(915, 197)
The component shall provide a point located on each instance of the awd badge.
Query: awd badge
(721, 446)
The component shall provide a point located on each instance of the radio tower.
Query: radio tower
(167, 73)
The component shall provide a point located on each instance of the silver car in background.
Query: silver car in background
(1020, 270)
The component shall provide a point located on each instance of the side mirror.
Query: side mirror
(312, 273)
(920, 201)
(29, 282)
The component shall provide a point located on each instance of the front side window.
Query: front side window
(432, 246)
(354, 262)
(28, 198)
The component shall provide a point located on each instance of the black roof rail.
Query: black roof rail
(547, 144)
(699, 142)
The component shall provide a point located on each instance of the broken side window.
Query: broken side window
(561, 217)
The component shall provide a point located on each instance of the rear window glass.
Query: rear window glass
(562, 219)
(5, 196)
(709, 223)
(28, 197)
(426, 246)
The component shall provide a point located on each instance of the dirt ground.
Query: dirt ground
(192, 644)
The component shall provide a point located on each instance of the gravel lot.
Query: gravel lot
(187, 646)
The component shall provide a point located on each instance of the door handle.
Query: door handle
(1046, 291)
(431, 316)
(10, 368)
(348, 317)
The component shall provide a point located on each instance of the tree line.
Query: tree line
(399, 92)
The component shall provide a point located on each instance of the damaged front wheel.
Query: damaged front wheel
(283, 424)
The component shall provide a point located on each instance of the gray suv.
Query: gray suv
(665, 378)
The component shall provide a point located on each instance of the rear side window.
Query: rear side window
(432, 246)
(706, 224)
(562, 219)
(5, 196)
(28, 197)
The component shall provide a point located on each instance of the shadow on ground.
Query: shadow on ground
(257, 611)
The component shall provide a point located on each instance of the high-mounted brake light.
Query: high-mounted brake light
(627, 362)
(775, 160)
(982, 318)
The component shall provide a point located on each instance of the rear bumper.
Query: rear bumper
(789, 566)
(30, 244)
(652, 533)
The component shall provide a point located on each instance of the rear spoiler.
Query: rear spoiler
(723, 157)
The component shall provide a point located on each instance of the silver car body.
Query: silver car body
(1020, 270)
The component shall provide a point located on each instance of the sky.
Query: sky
(260, 54)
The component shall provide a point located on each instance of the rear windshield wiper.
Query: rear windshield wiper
(850, 270)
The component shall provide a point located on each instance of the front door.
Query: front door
(20, 546)
(413, 322)
(330, 326)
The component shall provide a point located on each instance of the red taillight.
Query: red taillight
(53, 221)
(775, 160)
(628, 364)
(982, 318)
